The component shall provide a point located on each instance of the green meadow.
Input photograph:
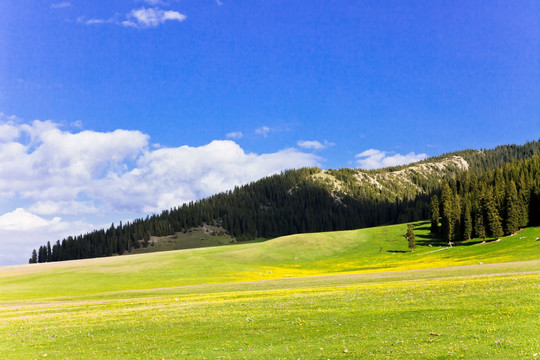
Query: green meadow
(350, 294)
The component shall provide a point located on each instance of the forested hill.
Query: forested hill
(296, 201)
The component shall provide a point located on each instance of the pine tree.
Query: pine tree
(434, 214)
(456, 219)
(446, 213)
(466, 220)
(42, 254)
(512, 209)
(410, 237)
(479, 227)
(49, 252)
(492, 216)
(33, 259)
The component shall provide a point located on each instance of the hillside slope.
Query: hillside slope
(364, 250)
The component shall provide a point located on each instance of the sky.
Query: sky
(112, 110)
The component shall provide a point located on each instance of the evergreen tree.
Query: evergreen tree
(447, 214)
(466, 220)
(479, 227)
(491, 215)
(434, 214)
(456, 220)
(49, 252)
(33, 259)
(42, 254)
(512, 209)
(410, 237)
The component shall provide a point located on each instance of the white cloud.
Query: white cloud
(21, 219)
(72, 207)
(168, 177)
(234, 135)
(375, 159)
(95, 21)
(21, 231)
(263, 130)
(82, 175)
(314, 144)
(8, 132)
(142, 18)
(151, 18)
(60, 5)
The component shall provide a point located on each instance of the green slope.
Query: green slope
(350, 294)
(366, 250)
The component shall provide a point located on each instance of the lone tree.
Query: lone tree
(410, 237)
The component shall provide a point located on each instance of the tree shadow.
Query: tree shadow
(397, 251)
(429, 240)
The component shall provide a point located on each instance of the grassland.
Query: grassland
(352, 294)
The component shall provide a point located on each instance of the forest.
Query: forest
(499, 202)
(499, 193)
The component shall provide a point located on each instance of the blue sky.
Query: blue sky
(110, 110)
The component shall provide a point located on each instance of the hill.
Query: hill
(364, 250)
(299, 201)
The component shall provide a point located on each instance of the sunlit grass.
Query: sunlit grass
(484, 317)
(365, 250)
(355, 294)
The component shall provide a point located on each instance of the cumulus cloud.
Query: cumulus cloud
(21, 219)
(375, 159)
(314, 144)
(8, 132)
(234, 135)
(60, 5)
(151, 17)
(167, 177)
(53, 167)
(79, 174)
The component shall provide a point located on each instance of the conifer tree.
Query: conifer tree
(466, 220)
(434, 214)
(512, 209)
(410, 237)
(49, 252)
(42, 254)
(33, 259)
(492, 216)
(456, 219)
(446, 213)
(479, 227)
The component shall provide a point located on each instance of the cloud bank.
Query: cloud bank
(60, 174)
(376, 159)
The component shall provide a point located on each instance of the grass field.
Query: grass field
(355, 294)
